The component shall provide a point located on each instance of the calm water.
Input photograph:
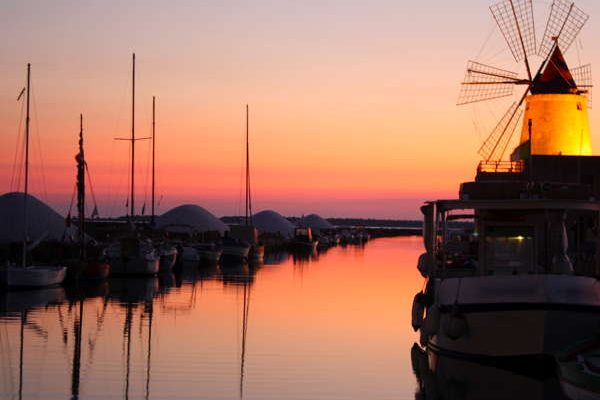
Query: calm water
(332, 327)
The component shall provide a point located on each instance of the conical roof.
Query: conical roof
(269, 221)
(556, 77)
(42, 221)
(192, 217)
(316, 222)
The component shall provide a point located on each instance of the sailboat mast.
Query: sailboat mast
(81, 189)
(153, 154)
(26, 189)
(132, 199)
(248, 198)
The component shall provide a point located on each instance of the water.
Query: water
(332, 327)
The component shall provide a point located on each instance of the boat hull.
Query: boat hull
(235, 252)
(135, 266)
(516, 315)
(31, 276)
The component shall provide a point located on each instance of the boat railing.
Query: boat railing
(501, 167)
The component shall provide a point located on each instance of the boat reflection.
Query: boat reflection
(13, 303)
(276, 258)
(444, 377)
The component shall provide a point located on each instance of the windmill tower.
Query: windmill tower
(553, 108)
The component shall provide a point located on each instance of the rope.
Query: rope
(87, 170)
(17, 160)
(39, 145)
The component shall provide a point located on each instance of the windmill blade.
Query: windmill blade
(483, 82)
(515, 20)
(494, 146)
(583, 79)
(563, 26)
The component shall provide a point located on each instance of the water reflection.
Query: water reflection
(229, 331)
(442, 377)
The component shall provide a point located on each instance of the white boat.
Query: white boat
(31, 276)
(26, 275)
(513, 263)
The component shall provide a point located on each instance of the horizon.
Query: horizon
(352, 106)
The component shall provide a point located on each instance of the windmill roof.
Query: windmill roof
(269, 221)
(42, 221)
(191, 216)
(556, 77)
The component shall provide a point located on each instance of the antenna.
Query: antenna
(563, 26)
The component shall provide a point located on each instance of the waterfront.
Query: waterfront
(332, 327)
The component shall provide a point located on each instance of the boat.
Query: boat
(133, 254)
(579, 369)
(208, 253)
(168, 257)
(235, 250)
(512, 264)
(245, 236)
(304, 240)
(91, 263)
(29, 275)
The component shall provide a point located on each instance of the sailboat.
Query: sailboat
(245, 235)
(133, 255)
(29, 275)
(91, 263)
(167, 252)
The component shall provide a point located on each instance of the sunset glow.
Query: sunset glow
(352, 105)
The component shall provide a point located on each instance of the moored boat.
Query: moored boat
(512, 264)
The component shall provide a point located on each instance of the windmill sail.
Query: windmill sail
(583, 80)
(495, 145)
(483, 82)
(564, 24)
(515, 20)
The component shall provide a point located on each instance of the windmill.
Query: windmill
(554, 104)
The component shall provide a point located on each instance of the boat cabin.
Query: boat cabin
(538, 216)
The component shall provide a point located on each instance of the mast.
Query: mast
(248, 197)
(81, 190)
(153, 154)
(132, 199)
(26, 189)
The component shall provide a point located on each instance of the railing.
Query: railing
(514, 167)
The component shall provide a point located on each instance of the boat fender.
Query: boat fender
(431, 324)
(422, 265)
(418, 358)
(418, 309)
(456, 326)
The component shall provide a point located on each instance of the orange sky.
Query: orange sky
(352, 104)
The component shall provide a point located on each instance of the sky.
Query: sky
(352, 103)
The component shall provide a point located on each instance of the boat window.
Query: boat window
(509, 249)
